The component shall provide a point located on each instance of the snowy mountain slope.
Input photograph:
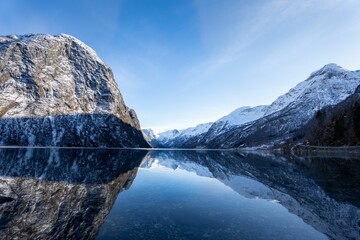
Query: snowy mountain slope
(236, 118)
(188, 132)
(328, 86)
(56, 86)
(174, 138)
(193, 131)
(180, 138)
(243, 115)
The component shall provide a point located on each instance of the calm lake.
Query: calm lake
(49, 193)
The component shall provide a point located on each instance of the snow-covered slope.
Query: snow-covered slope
(179, 138)
(243, 115)
(193, 131)
(188, 132)
(175, 138)
(236, 118)
(56, 91)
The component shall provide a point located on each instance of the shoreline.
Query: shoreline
(280, 149)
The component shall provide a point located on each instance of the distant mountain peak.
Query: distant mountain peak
(331, 69)
(322, 81)
(331, 66)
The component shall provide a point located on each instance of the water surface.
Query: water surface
(138, 194)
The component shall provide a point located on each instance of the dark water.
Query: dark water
(136, 194)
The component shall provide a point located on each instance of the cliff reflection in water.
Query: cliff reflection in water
(61, 193)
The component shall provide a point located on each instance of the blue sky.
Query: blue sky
(183, 62)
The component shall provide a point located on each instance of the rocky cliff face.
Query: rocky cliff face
(61, 193)
(55, 87)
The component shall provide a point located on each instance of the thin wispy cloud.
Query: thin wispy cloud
(235, 40)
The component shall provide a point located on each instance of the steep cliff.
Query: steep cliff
(55, 91)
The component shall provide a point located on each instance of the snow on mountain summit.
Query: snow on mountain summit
(331, 67)
(327, 86)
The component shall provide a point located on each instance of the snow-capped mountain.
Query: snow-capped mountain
(327, 86)
(55, 91)
(182, 138)
(188, 132)
(277, 122)
(286, 115)
(174, 138)
(236, 118)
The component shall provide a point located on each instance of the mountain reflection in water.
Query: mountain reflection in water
(74, 194)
